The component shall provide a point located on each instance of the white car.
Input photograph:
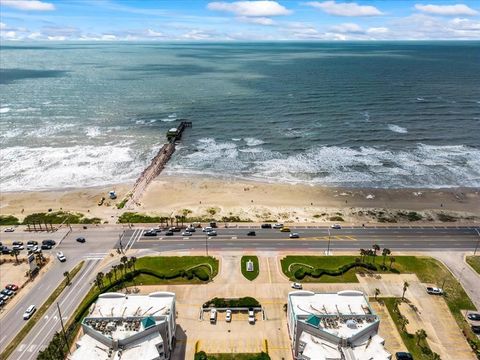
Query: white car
(434, 291)
(212, 233)
(29, 312)
(61, 257)
(251, 316)
(294, 235)
(186, 233)
(207, 229)
(278, 226)
(18, 247)
(228, 315)
(10, 229)
(335, 226)
(297, 286)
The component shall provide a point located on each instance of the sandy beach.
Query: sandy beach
(257, 202)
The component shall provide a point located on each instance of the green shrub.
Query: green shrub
(132, 217)
(336, 218)
(201, 356)
(446, 218)
(303, 271)
(9, 220)
(225, 303)
(59, 217)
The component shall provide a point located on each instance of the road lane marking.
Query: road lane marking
(269, 274)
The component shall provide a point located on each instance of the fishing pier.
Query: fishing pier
(158, 163)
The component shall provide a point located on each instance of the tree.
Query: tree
(124, 261)
(120, 268)
(375, 248)
(15, 252)
(385, 252)
(133, 259)
(435, 356)
(109, 276)
(67, 276)
(405, 287)
(404, 322)
(362, 254)
(99, 279)
(377, 292)
(421, 335)
(392, 260)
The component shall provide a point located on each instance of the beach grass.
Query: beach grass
(9, 220)
(474, 262)
(250, 275)
(39, 314)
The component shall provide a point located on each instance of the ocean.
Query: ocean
(364, 114)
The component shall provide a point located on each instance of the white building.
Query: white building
(339, 326)
(128, 327)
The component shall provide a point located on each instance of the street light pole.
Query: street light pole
(478, 241)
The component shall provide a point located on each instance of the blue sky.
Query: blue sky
(163, 20)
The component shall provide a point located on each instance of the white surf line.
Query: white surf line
(85, 272)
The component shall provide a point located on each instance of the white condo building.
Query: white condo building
(128, 327)
(338, 326)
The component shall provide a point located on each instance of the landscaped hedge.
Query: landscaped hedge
(303, 271)
(227, 303)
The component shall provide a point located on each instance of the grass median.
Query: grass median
(250, 275)
(38, 314)
(474, 262)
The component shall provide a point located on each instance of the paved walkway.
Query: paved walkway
(469, 279)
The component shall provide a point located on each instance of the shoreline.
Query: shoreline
(256, 201)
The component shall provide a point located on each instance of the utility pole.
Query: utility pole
(63, 328)
(478, 241)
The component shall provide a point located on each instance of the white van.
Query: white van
(213, 316)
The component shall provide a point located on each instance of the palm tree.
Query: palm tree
(385, 252)
(375, 248)
(377, 292)
(114, 269)
(99, 279)
(120, 268)
(40, 258)
(124, 261)
(15, 252)
(421, 335)
(392, 260)
(109, 276)
(404, 322)
(67, 276)
(362, 254)
(405, 287)
(133, 259)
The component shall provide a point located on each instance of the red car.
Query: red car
(12, 287)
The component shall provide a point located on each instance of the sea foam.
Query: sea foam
(397, 129)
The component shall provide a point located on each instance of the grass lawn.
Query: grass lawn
(428, 270)
(250, 275)
(474, 262)
(409, 340)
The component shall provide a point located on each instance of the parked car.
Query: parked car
(169, 233)
(150, 232)
(18, 247)
(9, 229)
(190, 229)
(297, 286)
(294, 235)
(266, 226)
(175, 229)
(46, 247)
(251, 316)
(228, 315)
(278, 226)
(7, 292)
(33, 249)
(2, 302)
(12, 287)
(285, 229)
(434, 291)
(335, 226)
(186, 233)
(32, 242)
(81, 239)
(4, 297)
(403, 356)
(17, 243)
(49, 242)
(212, 233)
(61, 257)
(474, 316)
(476, 329)
(251, 233)
(213, 316)
(29, 312)
(6, 250)
(30, 246)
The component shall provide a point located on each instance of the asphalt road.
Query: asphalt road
(352, 238)
(98, 245)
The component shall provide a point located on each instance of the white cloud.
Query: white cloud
(256, 20)
(447, 10)
(57, 38)
(197, 34)
(377, 30)
(153, 33)
(108, 37)
(3, 26)
(345, 9)
(33, 5)
(465, 24)
(347, 28)
(250, 8)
